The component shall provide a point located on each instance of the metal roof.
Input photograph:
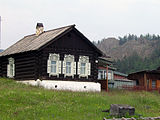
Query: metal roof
(119, 73)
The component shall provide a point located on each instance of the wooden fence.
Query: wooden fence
(139, 88)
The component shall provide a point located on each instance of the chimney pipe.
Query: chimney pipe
(39, 28)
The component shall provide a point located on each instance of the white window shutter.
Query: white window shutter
(89, 68)
(74, 67)
(64, 67)
(13, 70)
(59, 67)
(49, 66)
(79, 68)
(86, 69)
(8, 70)
(72, 63)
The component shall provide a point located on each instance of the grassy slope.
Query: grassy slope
(18, 101)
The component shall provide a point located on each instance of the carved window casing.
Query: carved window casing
(54, 65)
(84, 66)
(69, 66)
(11, 68)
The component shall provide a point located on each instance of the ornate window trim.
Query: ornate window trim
(84, 59)
(56, 58)
(11, 68)
(69, 58)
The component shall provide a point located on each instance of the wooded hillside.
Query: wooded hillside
(133, 53)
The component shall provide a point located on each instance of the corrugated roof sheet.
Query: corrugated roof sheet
(119, 73)
(33, 42)
(147, 71)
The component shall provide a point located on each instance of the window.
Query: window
(104, 74)
(68, 67)
(11, 68)
(100, 74)
(53, 66)
(153, 83)
(83, 68)
(110, 75)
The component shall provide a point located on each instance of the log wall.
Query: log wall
(25, 64)
(72, 44)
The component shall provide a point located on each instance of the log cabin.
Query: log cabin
(147, 79)
(61, 54)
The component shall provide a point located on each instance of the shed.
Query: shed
(147, 79)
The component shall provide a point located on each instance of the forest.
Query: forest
(135, 62)
(129, 37)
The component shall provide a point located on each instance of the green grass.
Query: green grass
(24, 102)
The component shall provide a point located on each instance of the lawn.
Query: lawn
(24, 102)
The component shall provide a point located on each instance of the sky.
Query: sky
(96, 19)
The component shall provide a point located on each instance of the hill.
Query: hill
(131, 53)
(23, 102)
(113, 48)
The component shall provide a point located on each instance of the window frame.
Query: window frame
(54, 57)
(68, 67)
(54, 66)
(71, 59)
(11, 70)
(110, 74)
(83, 68)
(84, 59)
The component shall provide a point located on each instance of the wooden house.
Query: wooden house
(59, 54)
(105, 72)
(119, 75)
(108, 77)
(147, 79)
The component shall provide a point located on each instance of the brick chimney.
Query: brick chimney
(39, 29)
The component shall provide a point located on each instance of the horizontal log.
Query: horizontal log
(24, 66)
(25, 62)
(25, 73)
(26, 69)
(24, 76)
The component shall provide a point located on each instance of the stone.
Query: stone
(121, 110)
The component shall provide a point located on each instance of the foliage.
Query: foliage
(135, 63)
(23, 102)
(129, 37)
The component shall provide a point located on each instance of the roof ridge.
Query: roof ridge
(33, 37)
(60, 28)
(73, 25)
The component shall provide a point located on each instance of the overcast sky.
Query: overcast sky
(96, 19)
